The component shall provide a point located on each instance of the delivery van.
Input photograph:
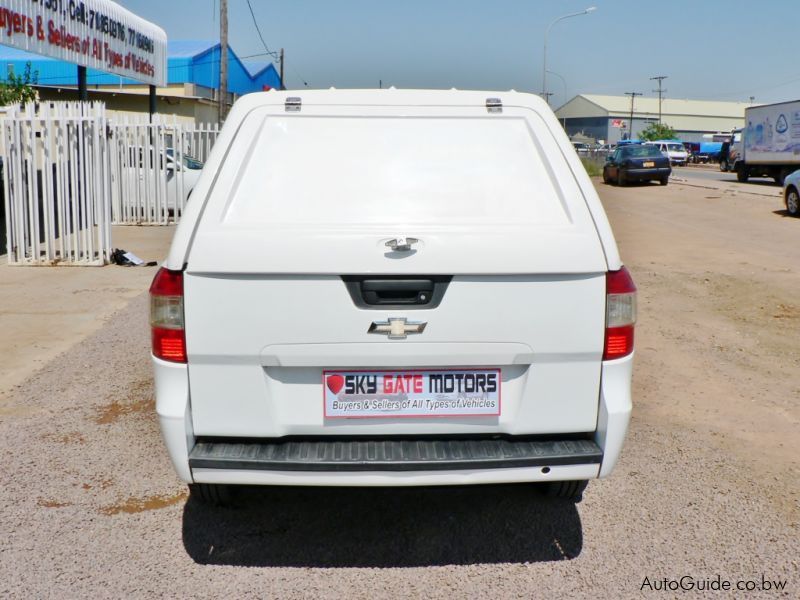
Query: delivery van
(393, 288)
(674, 150)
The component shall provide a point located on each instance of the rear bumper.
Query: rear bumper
(358, 455)
(647, 174)
(494, 462)
(396, 478)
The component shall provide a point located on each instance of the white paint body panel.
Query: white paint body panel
(257, 346)
(288, 202)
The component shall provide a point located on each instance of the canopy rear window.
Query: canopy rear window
(343, 170)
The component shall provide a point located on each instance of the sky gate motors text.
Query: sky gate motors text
(438, 383)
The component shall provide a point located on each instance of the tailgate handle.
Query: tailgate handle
(407, 292)
(377, 292)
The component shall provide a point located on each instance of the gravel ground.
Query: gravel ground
(90, 507)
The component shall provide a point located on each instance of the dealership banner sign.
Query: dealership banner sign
(98, 34)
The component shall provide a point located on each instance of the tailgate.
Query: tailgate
(306, 198)
(258, 346)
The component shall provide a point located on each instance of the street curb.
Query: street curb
(726, 190)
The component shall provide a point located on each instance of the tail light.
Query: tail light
(166, 316)
(620, 314)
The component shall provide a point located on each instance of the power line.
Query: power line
(258, 30)
(269, 52)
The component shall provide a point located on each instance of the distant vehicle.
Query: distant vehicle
(770, 146)
(703, 152)
(637, 162)
(189, 168)
(791, 193)
(709, 152)
(606, 148)
(731, 151)
(581, 148)
(673, 150)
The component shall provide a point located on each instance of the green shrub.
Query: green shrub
(593, 165)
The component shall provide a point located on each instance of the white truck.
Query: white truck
(770, 142)
(393, 288)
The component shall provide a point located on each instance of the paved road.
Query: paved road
(707, 174)
(707, 485)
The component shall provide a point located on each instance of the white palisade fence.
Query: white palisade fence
(70, 173)
(154, 168)
(57, 184)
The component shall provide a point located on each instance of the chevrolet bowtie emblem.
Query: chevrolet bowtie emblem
(397, 328)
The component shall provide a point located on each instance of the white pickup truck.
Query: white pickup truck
(393, 288)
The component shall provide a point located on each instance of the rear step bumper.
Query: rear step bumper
(392, 455)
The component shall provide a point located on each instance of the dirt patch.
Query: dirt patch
(140, 392)
(74, 437)
(137, 505)
(52, 503)
(117, 410)
(786, 312)
(718, 340)
(102, 485)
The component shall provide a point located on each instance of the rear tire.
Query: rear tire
(571, 490)
(664, 180)
(742, 175)
(784, 173)
(793, 202)
(211, 494)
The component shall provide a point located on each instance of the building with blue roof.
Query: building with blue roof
(189, 62)
(192, 82)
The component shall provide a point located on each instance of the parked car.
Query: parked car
(791, 193)
(189, 166)
(637, 162)
(139, 161)
(673, 150)
(581, 148)
(393, 288)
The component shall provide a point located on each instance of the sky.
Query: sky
(709, 49)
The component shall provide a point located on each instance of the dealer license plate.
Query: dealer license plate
(649, 163)
(411, 393)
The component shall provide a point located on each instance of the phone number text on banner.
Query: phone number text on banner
(98, 34)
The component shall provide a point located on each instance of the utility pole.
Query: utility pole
(546, 96)
(659, 78)
(283, 85)
(223, 60)
(630, 125)
(83, 90)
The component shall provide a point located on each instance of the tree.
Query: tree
(657, 131)
(18, 89)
